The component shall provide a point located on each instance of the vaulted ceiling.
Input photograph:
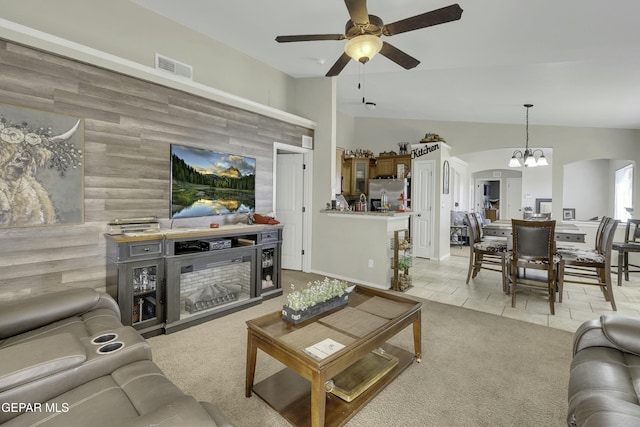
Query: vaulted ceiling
(577, 61)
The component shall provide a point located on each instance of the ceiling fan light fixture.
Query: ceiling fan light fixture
(370, 105)
(363, 47)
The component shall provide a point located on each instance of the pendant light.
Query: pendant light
(528, 156)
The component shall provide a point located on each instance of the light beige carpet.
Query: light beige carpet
(477, 370)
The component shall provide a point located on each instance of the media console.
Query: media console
(167, 280)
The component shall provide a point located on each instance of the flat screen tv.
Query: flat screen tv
(205, 182)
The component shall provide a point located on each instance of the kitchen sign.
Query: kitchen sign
(422, 151)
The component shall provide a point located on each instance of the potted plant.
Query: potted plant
(404, 262)
(317, 297)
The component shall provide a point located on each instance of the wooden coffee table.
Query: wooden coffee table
(298, 392)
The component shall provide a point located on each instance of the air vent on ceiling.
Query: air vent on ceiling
(307, 141)
(174, 67)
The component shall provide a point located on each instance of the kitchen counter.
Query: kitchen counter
(370, 214)
(361, 251)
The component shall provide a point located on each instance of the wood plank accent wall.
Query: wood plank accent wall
(129, 125)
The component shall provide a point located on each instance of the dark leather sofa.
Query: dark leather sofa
(67, 360)
(604, 383)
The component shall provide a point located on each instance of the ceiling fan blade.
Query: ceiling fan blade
(309, 37)
(358, 11)
(339, 65)
(435, 17)
(398, 56)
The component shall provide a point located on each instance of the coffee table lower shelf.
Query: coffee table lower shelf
(290, 395)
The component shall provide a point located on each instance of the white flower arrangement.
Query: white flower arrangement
(314, 293)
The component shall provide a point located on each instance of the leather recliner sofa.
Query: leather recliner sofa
(604, 382)
(66, 359)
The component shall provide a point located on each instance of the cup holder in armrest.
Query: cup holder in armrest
(110, 347)
(104, 338)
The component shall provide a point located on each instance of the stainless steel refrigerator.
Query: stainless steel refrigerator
(393, 188)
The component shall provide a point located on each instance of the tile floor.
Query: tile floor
(444, 282)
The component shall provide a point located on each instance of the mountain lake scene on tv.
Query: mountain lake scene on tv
(207, 183)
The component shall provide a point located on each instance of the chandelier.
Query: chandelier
(528, 156)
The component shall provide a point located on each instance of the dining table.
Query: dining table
(564, 232)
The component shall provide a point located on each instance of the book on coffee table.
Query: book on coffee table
(357, 378)
(324, 348)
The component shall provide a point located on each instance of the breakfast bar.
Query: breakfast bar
(363, 245)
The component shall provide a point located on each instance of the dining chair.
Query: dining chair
(631, 244)
(597, 243)
(485, 253)
(589, 267)
(533, 248)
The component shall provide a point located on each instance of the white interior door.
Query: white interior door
(422, 200)
(289, 207)
(479, 196)
(457, 189)
(514, 198)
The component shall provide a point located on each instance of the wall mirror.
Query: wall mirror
(543, 206)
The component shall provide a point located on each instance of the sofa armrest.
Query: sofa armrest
(613, 331)
(623, 332)
(32, 360)
(600, 410)
(27, 314)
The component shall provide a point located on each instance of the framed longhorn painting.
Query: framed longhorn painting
(41, 168)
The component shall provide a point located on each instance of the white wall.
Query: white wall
(346, 131)
(358, 248)
(317, 101)
(124, 29)
(586, 188)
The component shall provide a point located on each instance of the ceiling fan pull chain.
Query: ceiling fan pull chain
(363, 84)
(360, 83)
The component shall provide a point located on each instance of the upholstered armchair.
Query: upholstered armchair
(604, 373)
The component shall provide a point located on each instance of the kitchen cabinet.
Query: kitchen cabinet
(355, 175)
(346, 177)
(387, 166)
(356, 171)
(359, 176)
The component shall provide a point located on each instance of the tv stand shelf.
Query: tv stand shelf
(156, 276)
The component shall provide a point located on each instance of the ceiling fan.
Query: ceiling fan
(363, 32)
